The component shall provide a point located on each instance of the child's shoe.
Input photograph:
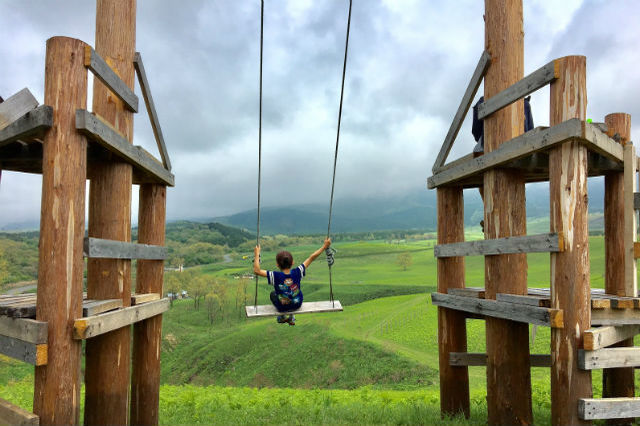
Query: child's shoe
(292, 320)
(282, 319)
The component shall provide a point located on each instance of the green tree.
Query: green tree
(172, 284)
(4, 271)
(404, 260)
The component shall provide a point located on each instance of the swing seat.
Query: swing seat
(306, 308)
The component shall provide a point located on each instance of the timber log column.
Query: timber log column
(570, 286)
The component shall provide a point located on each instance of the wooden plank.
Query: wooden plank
(623, 302)
(636, 200)
(22, 309)
(16, 106)
(32, 123)
(608, 408)
(151, 110)
(630, 221)
(534, 81)
(101, 132)
(94, 307)
(636, 250)
(599, 142)
(609, 358)
(498, 309)
(538, 139)
(96, 325)
(11, 414)
(600, 303)
(110, 249)
(463, 108)
(306, 308)
(475, 292)
(110, 78)
(522, 244)
(531, 300)
(615, 317)
(601, 337)
(28, 330)
(138, 299)
(459, 359)
(32, 353)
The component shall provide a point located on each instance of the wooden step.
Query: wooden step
(609, 358)
(608, 408)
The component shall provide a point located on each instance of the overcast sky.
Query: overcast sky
(409, 64)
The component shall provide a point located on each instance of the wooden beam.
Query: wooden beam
(138, 299)
(630, 221)
(32, 353)
(463, 108)
(542, 243)
(531, 300)
(497, 309)
(85, 328)
(110, 249)
(101, 132)
(609, 358)
(11, 414)
(28, 330)
(151, 110)
(476, 292)
(95, 307)
(601, 337)
(615, 317)
(34, 122)
(534, 81)
(110, 78)
(16, 106)
(608, 408)
(306, 308)
(60, 264)
(459, 359)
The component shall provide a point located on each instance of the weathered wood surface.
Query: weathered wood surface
(147, 334)
(636, 250)
(601, 337)
(636, 200)
(86, 328)
(531, 300)
(534, 141)
(570, 269)
(480, 360)
(101, 132)
(521, 244)
(110, 249)
(32, 353)
(608, 408)
(138, 299)
(60, 264)
(306, 308)
(95, 307)
(33, 123)
(463, 108)
(609, 358)
(630, 221)
(28, 330)
(13, 415)
(529, 84)
(517, 312)
(476, 292)
(16, 106)
(110, 78)
(151, 110)
(452, 326)
(615, 316)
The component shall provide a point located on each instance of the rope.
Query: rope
(329, 253)
(255, 300)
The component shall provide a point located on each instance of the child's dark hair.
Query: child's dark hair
(284, 260)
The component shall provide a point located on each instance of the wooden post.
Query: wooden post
(145, 379)
(452, 328)
(60, 267)
(616, 382)
(570, 290)
(508, 361)
(108, 356)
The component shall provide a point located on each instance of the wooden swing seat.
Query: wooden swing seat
(306, 308)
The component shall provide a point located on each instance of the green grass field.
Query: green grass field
(376, 362)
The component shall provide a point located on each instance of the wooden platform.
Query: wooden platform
(306, 308)
(24, 305)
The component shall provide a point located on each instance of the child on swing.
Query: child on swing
(287, 294)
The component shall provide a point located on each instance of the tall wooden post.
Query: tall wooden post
(616, 382)
(60, 267)
(570, 287)
(108, 356)
(508, 366)
(452, 329)
(145, 379)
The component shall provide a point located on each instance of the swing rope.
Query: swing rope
(255, 300)
(329, 251)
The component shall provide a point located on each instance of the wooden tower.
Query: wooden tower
(590, 329)
(68, 144)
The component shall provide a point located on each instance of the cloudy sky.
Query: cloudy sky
(409, 64)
